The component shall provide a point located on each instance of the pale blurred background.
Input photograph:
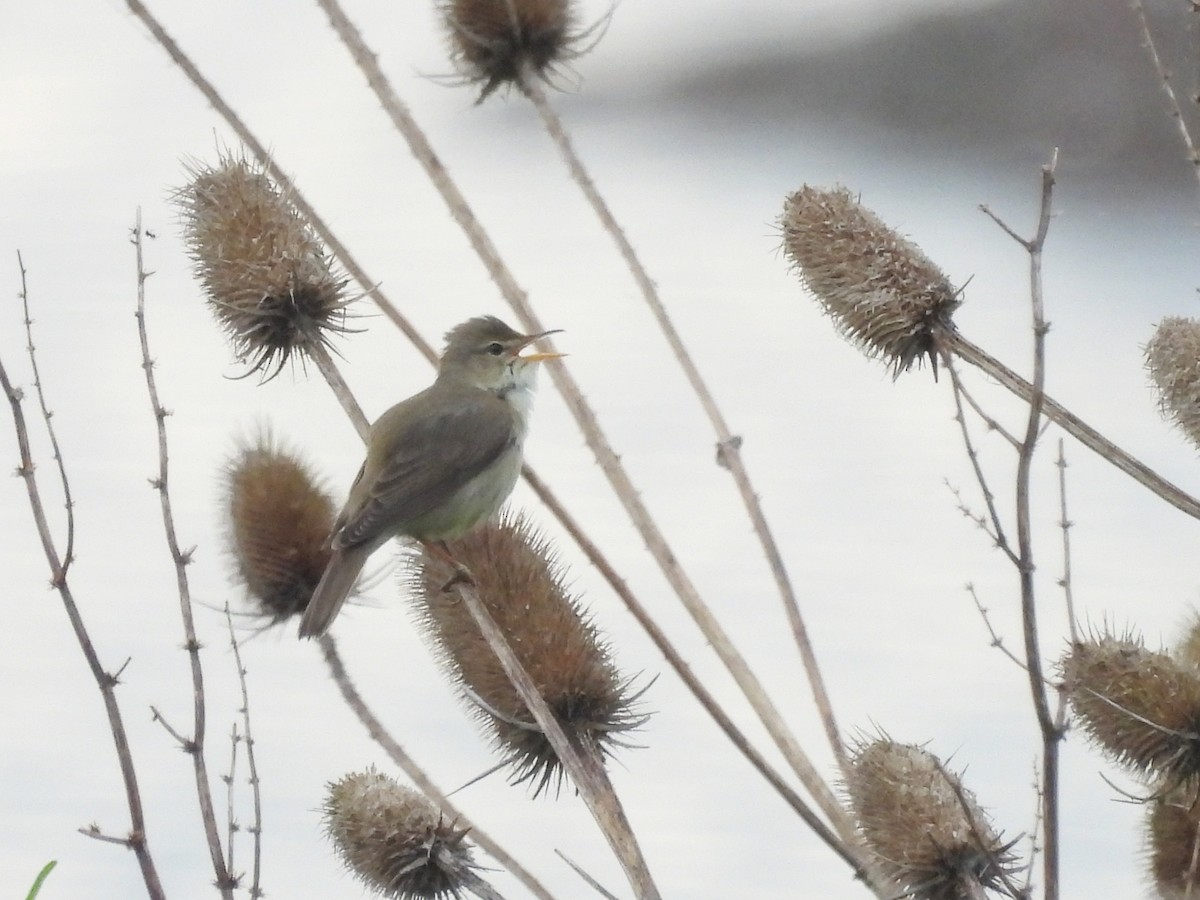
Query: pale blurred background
(696, 119)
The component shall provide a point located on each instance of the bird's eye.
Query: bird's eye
(495, 348)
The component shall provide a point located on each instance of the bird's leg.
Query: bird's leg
(439, 550)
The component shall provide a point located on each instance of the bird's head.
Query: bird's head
(486, 353)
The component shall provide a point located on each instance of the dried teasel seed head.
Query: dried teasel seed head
(923, 827)
(267, 277)
(1173, 844)
(523, 587)
(278, 526)
(496, 42)
(1173, 361)
(881, 291)
(395, 841)
(1142, 707)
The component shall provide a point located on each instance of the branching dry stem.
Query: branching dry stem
(195, 744)
(105, 681)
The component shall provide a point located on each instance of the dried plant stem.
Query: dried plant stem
(606, 457)
(194, 746)
(1164, 77)
(68, 555)
(584, 763)
(838, 844)
(728, 445)
(341, 390)
(1065, 523)
(105, 681)
(398, 755)
(1051, 730)
(953, 342)
(255, 888)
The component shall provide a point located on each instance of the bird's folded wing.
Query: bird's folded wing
(429, 461)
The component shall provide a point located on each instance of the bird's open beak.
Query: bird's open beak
(540, 357)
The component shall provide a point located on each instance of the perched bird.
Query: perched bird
(440, 462)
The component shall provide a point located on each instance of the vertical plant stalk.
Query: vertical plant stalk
(398, 755)
(193, 746)
(1164, 78)
(105, 681)
(1066, 525)
(585, 417)
(338, 249)
(68, 555)
(1051, 730)
(584, 764)
(728, 445)
(255, 888)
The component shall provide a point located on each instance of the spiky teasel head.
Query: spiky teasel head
(1173, 844)
(1141, 706)
(524, 589)
(923, 827)
(267, 277)
(394, 840)
(881, 291)
(1173, 361)
(493, 42)
(278, 526)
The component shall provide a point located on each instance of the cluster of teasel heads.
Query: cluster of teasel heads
(1142, 708)
(272, 288)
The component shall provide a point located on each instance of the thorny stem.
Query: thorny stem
(106, 682)
(1065, 523)
(728, 445)
(1164, 77)
(255, 888)
(398, 755)
(1051, 731)
(48, 417)
(585, 417)
(195, 745)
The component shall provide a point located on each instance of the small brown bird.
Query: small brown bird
(440, 462)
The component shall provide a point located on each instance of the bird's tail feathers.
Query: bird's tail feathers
(333, 589)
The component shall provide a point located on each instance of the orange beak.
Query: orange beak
(541, 357)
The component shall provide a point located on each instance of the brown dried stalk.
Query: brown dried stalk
(193, 745)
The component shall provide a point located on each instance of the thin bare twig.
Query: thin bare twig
(231, 825)
(1050, 730)
(68, 555)
(1065, 523)
(255, 887)
(136, 839)
(592, 882)
(195, 744)
(1164, 78)
(398, 755)
(728, 445)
